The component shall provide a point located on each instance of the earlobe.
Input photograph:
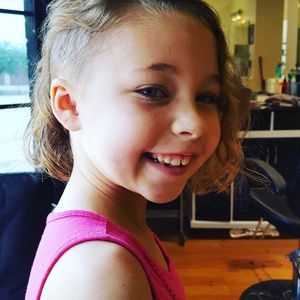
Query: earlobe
(64, 107)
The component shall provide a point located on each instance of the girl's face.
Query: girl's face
(149, 117)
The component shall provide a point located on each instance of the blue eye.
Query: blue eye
(208, 98)
(153, 92)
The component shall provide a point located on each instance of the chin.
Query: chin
(163, 197)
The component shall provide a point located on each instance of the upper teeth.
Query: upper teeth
(173, 161)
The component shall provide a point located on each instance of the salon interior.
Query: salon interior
(242, 244)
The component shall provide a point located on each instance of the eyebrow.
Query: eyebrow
(214, 78)
(163, 67)
(160, 67)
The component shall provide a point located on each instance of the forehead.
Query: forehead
(171, 38)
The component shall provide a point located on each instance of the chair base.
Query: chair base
(269, 290)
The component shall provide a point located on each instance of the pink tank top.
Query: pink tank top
(67, 229)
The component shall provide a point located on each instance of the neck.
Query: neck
(96, 194)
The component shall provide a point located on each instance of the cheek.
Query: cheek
(214, 134)
(126, 135)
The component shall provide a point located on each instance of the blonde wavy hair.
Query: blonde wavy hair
(69, 32)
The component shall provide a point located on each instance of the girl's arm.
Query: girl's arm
(97, 270)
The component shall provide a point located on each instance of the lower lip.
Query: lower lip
(175, 171)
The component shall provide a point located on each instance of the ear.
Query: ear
(63, 106)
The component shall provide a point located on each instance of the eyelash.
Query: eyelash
(147, 92)
(208, 98)
(161, 93)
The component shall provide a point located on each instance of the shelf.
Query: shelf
(271, 134)
(225, 224)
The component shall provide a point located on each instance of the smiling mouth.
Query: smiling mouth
(171, 161)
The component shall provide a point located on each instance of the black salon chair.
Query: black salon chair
(25, 201)
(280, 205)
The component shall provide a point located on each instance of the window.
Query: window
(19, 20)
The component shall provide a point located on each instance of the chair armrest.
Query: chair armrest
(278, 184)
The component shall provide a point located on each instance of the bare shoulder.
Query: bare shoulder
(97, 270)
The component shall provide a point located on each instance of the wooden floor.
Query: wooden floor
(222, 269)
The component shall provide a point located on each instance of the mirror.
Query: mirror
(262, 36)
(238, 19)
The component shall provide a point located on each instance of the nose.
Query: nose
(189, 122)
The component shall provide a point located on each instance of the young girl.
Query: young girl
(132, 99)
